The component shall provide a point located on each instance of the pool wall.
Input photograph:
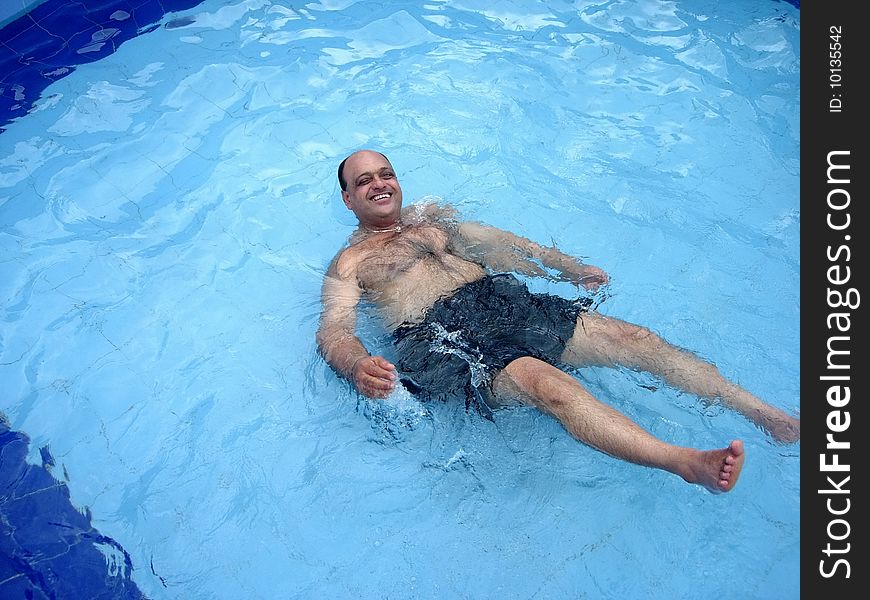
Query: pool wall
(48, 39)
(12, 9)
(48, 547)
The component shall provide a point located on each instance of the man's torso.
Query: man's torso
(404, 273)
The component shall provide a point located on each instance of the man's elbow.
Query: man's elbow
(327, 338)
(322, 337)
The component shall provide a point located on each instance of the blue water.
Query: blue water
(167, 213)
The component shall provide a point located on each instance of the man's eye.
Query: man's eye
(364, 181)
(388, 175)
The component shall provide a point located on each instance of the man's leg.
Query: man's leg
(542, 385)
(605, 341)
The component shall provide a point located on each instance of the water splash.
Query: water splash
(451, 342)
(395, 415)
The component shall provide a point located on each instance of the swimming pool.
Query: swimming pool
(168, 211)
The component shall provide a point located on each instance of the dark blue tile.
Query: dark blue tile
(33, 42)
(13, 449)
(79, 32)
(48, 548)
(15, 27)
(45, 9)
(21, 587)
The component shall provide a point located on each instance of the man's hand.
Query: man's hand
(374, 376)
(590, 277)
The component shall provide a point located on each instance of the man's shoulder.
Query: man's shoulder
(432, 210)
(346, 261)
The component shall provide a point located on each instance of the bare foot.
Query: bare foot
(717, 470)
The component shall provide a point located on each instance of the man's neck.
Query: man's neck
(395, 226)
(366, 232)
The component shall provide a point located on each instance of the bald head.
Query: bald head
(342, 181)
(370, 189)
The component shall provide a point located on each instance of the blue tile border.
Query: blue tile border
(48, 548)
(58, 35)
(13, 9)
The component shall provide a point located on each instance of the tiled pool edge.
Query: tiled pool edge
(48, 547)
(81, 31)
(16, 9)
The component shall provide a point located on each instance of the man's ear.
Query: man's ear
(346, 198)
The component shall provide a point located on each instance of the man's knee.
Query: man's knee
(524, 371)
(605, 341)
(616, 333)
(639, 337)
(515, 383)
(622, 334)
(538, 383)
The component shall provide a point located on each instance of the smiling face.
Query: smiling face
(373, 192)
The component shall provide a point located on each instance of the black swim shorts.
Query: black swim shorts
(466, 339)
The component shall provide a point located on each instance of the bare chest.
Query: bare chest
(389, 259)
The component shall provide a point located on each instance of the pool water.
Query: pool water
(167, 213)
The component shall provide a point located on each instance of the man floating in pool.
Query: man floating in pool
(459, 329)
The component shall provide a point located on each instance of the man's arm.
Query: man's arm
(505, 251)
(373, 376)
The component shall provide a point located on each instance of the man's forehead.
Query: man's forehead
(366, 161)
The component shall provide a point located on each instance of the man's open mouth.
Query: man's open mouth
(379, 197)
